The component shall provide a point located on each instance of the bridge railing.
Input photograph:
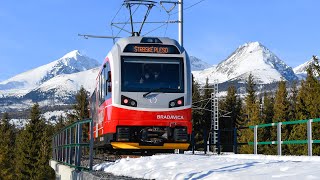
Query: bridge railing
(73, 145)
(279, 141)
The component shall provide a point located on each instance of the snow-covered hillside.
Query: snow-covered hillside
(52, 84)
(239, 166)
(23, 83)
(71, 82)
(197, 64)
(252, 58)
(61, 89)
(301, 70)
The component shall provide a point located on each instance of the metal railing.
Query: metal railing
(279, 141)
(73, 145)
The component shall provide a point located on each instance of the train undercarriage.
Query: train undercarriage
(143, 138)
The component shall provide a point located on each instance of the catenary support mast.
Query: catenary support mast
(180, 22)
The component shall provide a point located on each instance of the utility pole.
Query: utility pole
(215, 117)
(180, 5)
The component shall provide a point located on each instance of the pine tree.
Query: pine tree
(45, 171)
(266, 133)
(281, 106)
(293, 101)
(253, 115)
(281, 112)
(251, 91)
(81, 106)
(60, 124)
(7, 143)
(308, 107)
(207, 109)
(30, 164)
(201, 113)
(315, 65)
(231, 106)
(197, 115)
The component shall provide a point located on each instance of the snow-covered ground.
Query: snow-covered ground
(188, 166)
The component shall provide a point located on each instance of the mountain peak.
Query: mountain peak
(72, 54)
(301, 70)
(251, 58)
(72, 62)
(252, 46)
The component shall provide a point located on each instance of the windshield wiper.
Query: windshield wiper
(158, 90)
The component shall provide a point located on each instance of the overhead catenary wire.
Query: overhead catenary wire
(122, 28)
(113, 20)
(165, 23)
(165, 32)
(189, 7)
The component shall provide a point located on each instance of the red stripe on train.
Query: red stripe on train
(115, 116)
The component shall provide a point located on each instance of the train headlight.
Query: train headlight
(177, 102)
(128, 101)
(172, 103)
(133, 103)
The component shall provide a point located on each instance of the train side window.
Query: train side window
(102, 86)
(98, 92)
(106, 70)
(93, 112)
(109, 82)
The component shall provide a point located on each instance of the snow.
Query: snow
(72, 54)
(60, 80)
(188, 166)
(19, 123)
(48, 115)
(301, 70)
(23, 83)
(252, 58)
(67, 83)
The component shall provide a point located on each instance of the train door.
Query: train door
(108, 99)
(101, 100)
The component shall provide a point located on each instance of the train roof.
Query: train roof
(123, 42)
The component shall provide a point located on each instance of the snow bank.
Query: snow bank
(185, 166)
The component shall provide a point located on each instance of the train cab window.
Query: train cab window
(143, 74)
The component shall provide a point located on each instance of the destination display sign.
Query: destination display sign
(151, 48)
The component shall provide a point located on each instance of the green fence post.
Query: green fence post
(279, 138)
(309, 133)
(255, 139)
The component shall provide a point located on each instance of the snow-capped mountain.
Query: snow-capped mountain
(23, 83)
(52, 84)
(252, 58)
(62, 89)
(197, 64)
(301, 70)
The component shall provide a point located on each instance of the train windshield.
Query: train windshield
(143, 74)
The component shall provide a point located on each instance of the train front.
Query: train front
(151, 103)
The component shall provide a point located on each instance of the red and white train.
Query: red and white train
(142, 98)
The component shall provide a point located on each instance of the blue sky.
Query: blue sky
(34, 32)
